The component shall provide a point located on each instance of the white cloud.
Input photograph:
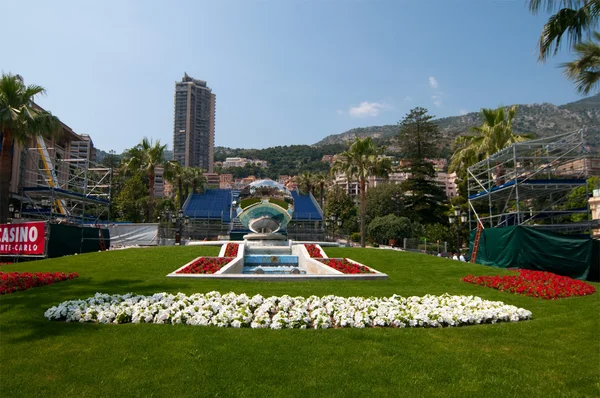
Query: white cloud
(340, 112)
(367, 109)
(433, 83)
(463, 111)
(437, 100)
(408, 99)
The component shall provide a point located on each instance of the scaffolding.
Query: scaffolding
(528, 183)
(55, 187)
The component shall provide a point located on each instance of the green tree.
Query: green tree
(131, 201)
(384, 229)
(320, 181)
(419, 135)
(424, 200)
(574, 18)
(174, 174)
(145, 157)
(305, 182)
(340, 206)
(363, 159)
(438, 232)
(494, 134)
(194, 180)
(585, 70)
(577, 19)
(577, 199)
(111, 160)
(20, 120)
(383, 200)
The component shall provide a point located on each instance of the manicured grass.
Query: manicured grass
(555, 354)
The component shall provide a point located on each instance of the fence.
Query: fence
(424, 245)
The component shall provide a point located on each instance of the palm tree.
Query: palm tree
(572, 17)
(361, 160)
(194, 180)
(199, 180)
(493, 135)
(20, 120)
(174, 174)
(321, 180)
(145, 157)
(305, 182)
(585, 70)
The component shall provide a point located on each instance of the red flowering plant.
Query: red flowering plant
(15, 281)
(205, 265)
(313, 250)
(345, 266)
(540, 284)
(231, 250)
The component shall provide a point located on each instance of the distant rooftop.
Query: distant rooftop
(186, 79)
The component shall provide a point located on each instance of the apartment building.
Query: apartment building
(194, 124)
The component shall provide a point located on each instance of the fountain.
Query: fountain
(266, 207)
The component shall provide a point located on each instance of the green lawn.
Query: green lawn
(555, 354)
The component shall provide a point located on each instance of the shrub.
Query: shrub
(355, 237)
(382, 229)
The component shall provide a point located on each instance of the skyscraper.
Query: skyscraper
(194, 124)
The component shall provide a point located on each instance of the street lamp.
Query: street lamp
(186, 223)
(461, 218)
(178, 225)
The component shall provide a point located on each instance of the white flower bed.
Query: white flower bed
(233, 310)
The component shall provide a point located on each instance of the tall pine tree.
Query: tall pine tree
(418, 138)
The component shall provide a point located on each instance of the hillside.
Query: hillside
(541, 119)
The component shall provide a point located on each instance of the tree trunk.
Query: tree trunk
(150, 195)
(180, 188)
(363, 212)
(186, 189)
(321, 196)
(5, 173)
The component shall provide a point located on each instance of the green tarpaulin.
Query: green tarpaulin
(71, 239)
(530, 248)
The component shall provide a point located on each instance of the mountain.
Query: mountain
(543, 120)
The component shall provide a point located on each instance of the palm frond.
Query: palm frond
(585, 71)
(552, 5)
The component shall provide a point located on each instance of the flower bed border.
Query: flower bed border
(31, 280)
(349, 260)
(538, 284)
(208, 260)
(233, 310)
(235, 265)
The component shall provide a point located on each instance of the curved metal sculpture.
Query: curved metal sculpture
(265, 206)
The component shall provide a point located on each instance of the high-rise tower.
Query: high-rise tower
(194, 124)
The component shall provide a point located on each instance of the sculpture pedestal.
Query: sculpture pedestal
(272, 239)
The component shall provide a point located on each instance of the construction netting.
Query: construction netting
(530, 248)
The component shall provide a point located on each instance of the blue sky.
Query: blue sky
(284, 72)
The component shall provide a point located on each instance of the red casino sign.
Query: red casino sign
(23, 239)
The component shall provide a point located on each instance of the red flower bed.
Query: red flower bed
(345, 266)
(205, 265)
(545, 285)
(313, 250)
(231, 250)
(15, 281)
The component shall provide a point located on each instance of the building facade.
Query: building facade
(83, 149)
(159, 182)
(194, 124)
(241, 162)
(446, 182)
